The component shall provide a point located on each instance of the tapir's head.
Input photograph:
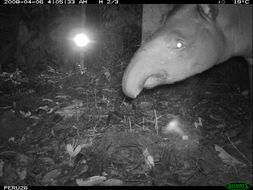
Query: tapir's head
(188, 43)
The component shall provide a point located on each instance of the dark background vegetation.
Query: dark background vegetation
(34, 37)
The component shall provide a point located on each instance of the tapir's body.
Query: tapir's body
(192, 39)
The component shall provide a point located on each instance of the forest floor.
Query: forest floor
(72, 129)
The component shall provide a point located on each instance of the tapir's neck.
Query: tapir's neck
(236, 24)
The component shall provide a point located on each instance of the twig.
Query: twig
(130, 126)
(156, 123)
(239, 151)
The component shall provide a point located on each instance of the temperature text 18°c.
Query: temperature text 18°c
(241, 2)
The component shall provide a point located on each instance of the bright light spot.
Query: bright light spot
(173, 126)
(81, 40)
(179, 45)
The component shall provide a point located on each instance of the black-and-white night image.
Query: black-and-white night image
(126, 95)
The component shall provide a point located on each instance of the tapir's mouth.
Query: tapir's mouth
(155, 80)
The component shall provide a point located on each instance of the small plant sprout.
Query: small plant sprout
(73, 149)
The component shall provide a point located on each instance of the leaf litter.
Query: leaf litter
(87, 135)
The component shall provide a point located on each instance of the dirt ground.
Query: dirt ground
(73, 129)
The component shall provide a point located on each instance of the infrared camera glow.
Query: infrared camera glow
(81, 40)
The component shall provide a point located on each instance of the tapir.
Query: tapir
(192, 39)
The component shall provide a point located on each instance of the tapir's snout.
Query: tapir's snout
(127, 87)
(147, 68)
(132, 88)
(132, 81)
(142, 74)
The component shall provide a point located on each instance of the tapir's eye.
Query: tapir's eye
(179, 44)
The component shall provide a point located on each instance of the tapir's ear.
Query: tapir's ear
(209, 11)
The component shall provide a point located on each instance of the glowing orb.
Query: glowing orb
(81, 40)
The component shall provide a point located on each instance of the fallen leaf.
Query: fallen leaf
(22, 160)
(145, 105)
(22, 173)
(1, 167)
(34, 117)
(227, 158)
(48, 160)
(12, 139)
(25, 114)
(245, 92)
(198, 123)
(95, 180)
(71, 110)
(149, 160)
(47, 99)
(112, 182)
(50, 176)
(44, 108)
(62, 97)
